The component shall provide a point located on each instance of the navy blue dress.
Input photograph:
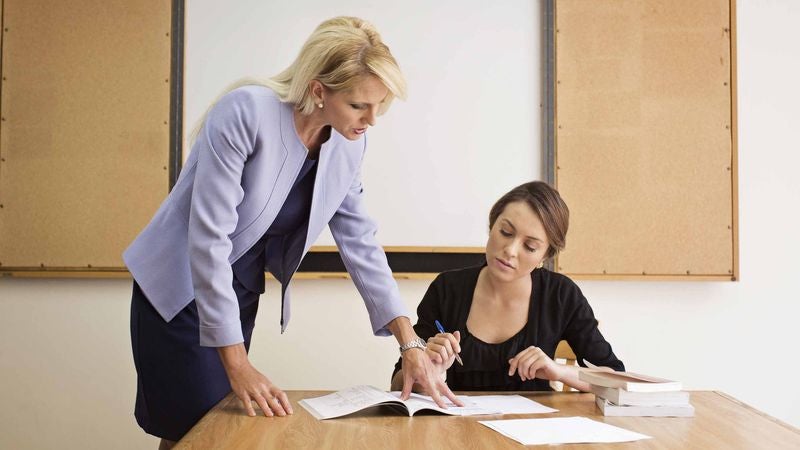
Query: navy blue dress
(178, 381)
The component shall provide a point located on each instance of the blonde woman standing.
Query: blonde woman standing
(271, 165)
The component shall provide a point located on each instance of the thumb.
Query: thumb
(457, 334)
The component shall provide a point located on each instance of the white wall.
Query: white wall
(471, 118)
(67, 380)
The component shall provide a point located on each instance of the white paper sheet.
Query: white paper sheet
(561, 430)
(483, 404)
(511, 404)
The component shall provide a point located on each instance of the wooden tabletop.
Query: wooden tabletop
(720, 422)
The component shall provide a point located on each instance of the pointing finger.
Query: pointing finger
(449, 394)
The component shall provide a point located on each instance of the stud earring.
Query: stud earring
(320, 105)
(541, 264)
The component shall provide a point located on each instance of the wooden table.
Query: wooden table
(720, 422)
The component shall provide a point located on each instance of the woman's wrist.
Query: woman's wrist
(233, 357)
(566, 374)
(402, 330)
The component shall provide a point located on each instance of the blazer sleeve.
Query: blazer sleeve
(224, 145)
(354, 233)
(582, 333)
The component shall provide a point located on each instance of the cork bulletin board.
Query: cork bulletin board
(85, 131)
(645, 138)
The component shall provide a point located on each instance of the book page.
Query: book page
(347, 401)
(417, 402)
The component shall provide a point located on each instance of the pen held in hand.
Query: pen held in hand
(441, 330)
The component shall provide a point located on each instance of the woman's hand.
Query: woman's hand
(442, 349)
(417, 368)
(534, 363)
(251, 385)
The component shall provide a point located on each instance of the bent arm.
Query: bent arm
(428, 310)
(354, 233)
(570, 378)
(223, 147)
(584, 337)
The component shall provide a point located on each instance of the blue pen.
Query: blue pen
(441, 330)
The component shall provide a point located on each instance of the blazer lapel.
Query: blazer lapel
(316, 219)
(292, 251)
(338, 162)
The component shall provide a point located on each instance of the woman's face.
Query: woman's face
(517, 243)
(351, 112)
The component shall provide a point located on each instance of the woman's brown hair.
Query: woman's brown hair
(547, 204)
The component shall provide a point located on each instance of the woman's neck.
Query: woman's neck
(506, 293)
(312, 130)
(499, 309)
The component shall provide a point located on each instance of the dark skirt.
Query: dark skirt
(178, 381)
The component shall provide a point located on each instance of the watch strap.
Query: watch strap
(414, 343)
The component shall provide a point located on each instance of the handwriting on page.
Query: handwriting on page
(358, 396)
(349, 400)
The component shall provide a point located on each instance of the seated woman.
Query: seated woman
(506, 317)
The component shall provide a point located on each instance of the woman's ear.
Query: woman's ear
(316, 89)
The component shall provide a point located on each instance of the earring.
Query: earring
(541, 264)
(320, 105)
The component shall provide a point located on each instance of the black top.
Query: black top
(558, 311)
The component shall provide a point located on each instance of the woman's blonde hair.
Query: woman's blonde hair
(338, 53)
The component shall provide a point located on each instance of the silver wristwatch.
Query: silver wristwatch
(414, 343)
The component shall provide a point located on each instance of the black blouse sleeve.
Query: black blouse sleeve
(581, 330)
(428, 310)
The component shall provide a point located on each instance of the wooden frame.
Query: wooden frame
(321, 262)
(85, 154)
(603, 227)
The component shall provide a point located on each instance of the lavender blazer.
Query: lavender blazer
(231, 188)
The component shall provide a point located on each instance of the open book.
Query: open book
(357, 398)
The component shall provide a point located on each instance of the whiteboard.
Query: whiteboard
(471, 127)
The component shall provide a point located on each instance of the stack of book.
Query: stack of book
(630, 394)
